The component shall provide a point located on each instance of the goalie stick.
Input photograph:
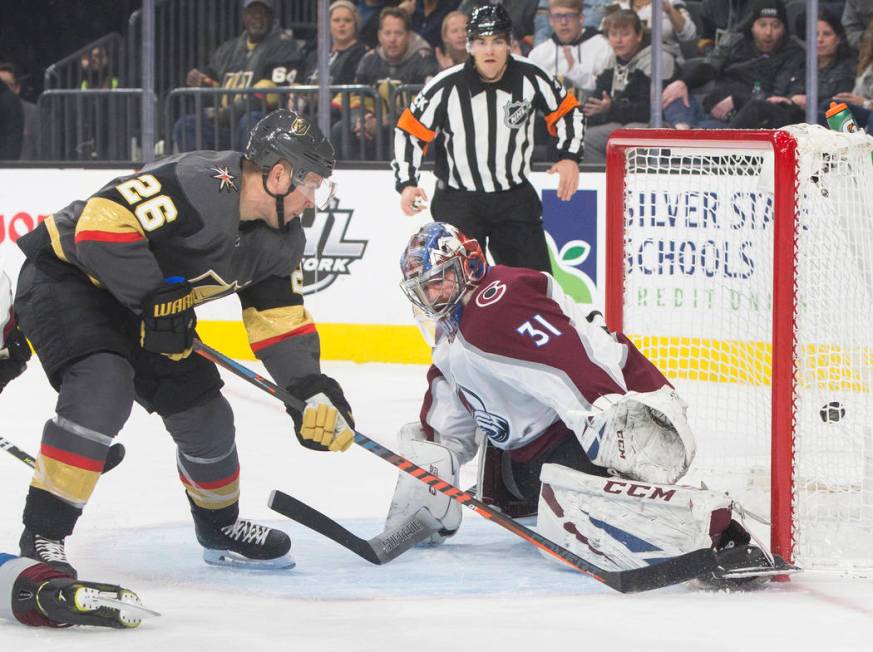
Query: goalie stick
(113, 457)
(379, 550)
(673, 571)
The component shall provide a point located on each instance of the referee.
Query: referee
(480, 117)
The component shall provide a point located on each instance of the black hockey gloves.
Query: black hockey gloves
(168, 321)
(14, 354)
(326, 423)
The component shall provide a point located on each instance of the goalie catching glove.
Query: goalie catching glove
(641, 436)
(326, 423)
(169, 321)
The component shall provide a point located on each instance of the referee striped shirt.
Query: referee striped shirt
(484, 131)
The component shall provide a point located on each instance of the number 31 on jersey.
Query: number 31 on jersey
(540, 336)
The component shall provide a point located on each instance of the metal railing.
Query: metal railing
(89, 125)
(188, 31)
(83, 127)
(399, 98)
(94, 66)
(219, 118)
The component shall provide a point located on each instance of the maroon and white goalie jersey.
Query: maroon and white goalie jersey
(524, 357)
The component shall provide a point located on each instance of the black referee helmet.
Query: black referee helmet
(488, 20)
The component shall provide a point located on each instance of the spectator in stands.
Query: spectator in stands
(574, 54)
(454, 33)
(346, 50)
(593, 13)
(264, 55)
(857, 14)
(719, 19)
(9, 75)
(96, 68)
(860, 100)
(622, 95)
(764, 62)
(402, 55)
(835, 76)
(676, 24)
(370, 10)
(11, 124)
(427, 19)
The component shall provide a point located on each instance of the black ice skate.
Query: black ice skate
(71, 602)
(243, 544)
(49, 551)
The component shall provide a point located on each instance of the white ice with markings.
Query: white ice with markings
(484, 590)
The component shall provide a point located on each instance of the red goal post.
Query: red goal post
(711, 236)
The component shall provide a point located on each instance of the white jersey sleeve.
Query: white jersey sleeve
(446, 420)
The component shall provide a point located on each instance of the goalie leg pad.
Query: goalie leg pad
(642, 436)
(410, 494)
(624, 524)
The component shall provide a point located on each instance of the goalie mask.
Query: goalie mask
(440, 266)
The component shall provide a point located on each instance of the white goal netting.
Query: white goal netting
(698, 300)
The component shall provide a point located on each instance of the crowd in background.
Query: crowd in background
(726, 64)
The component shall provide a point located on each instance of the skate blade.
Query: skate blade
(127, 608)
(739, 573)
(231, 559)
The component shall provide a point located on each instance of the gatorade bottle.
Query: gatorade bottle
(840, 118)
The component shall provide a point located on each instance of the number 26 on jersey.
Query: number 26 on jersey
(153, 211)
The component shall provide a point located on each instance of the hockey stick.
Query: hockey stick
(113, 457)
(379, 550)
(673, 571)
(13, 450)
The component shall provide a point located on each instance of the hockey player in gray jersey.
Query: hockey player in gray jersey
(107, 297)
(585, 421)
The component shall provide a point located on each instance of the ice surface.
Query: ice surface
(484, 590)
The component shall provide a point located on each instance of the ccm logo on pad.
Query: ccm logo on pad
(638, 490)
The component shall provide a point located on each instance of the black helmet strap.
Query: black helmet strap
(280, 199)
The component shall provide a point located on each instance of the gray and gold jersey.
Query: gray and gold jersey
(179, 218)
(175, 218)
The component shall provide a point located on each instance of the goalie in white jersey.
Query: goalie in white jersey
(586, 422)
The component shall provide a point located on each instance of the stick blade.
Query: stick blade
(677, 570)
(393, 542)
(379, 550)
(313, 519)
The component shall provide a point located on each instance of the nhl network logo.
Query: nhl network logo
(328, 252)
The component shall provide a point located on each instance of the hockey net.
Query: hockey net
(741, 263)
